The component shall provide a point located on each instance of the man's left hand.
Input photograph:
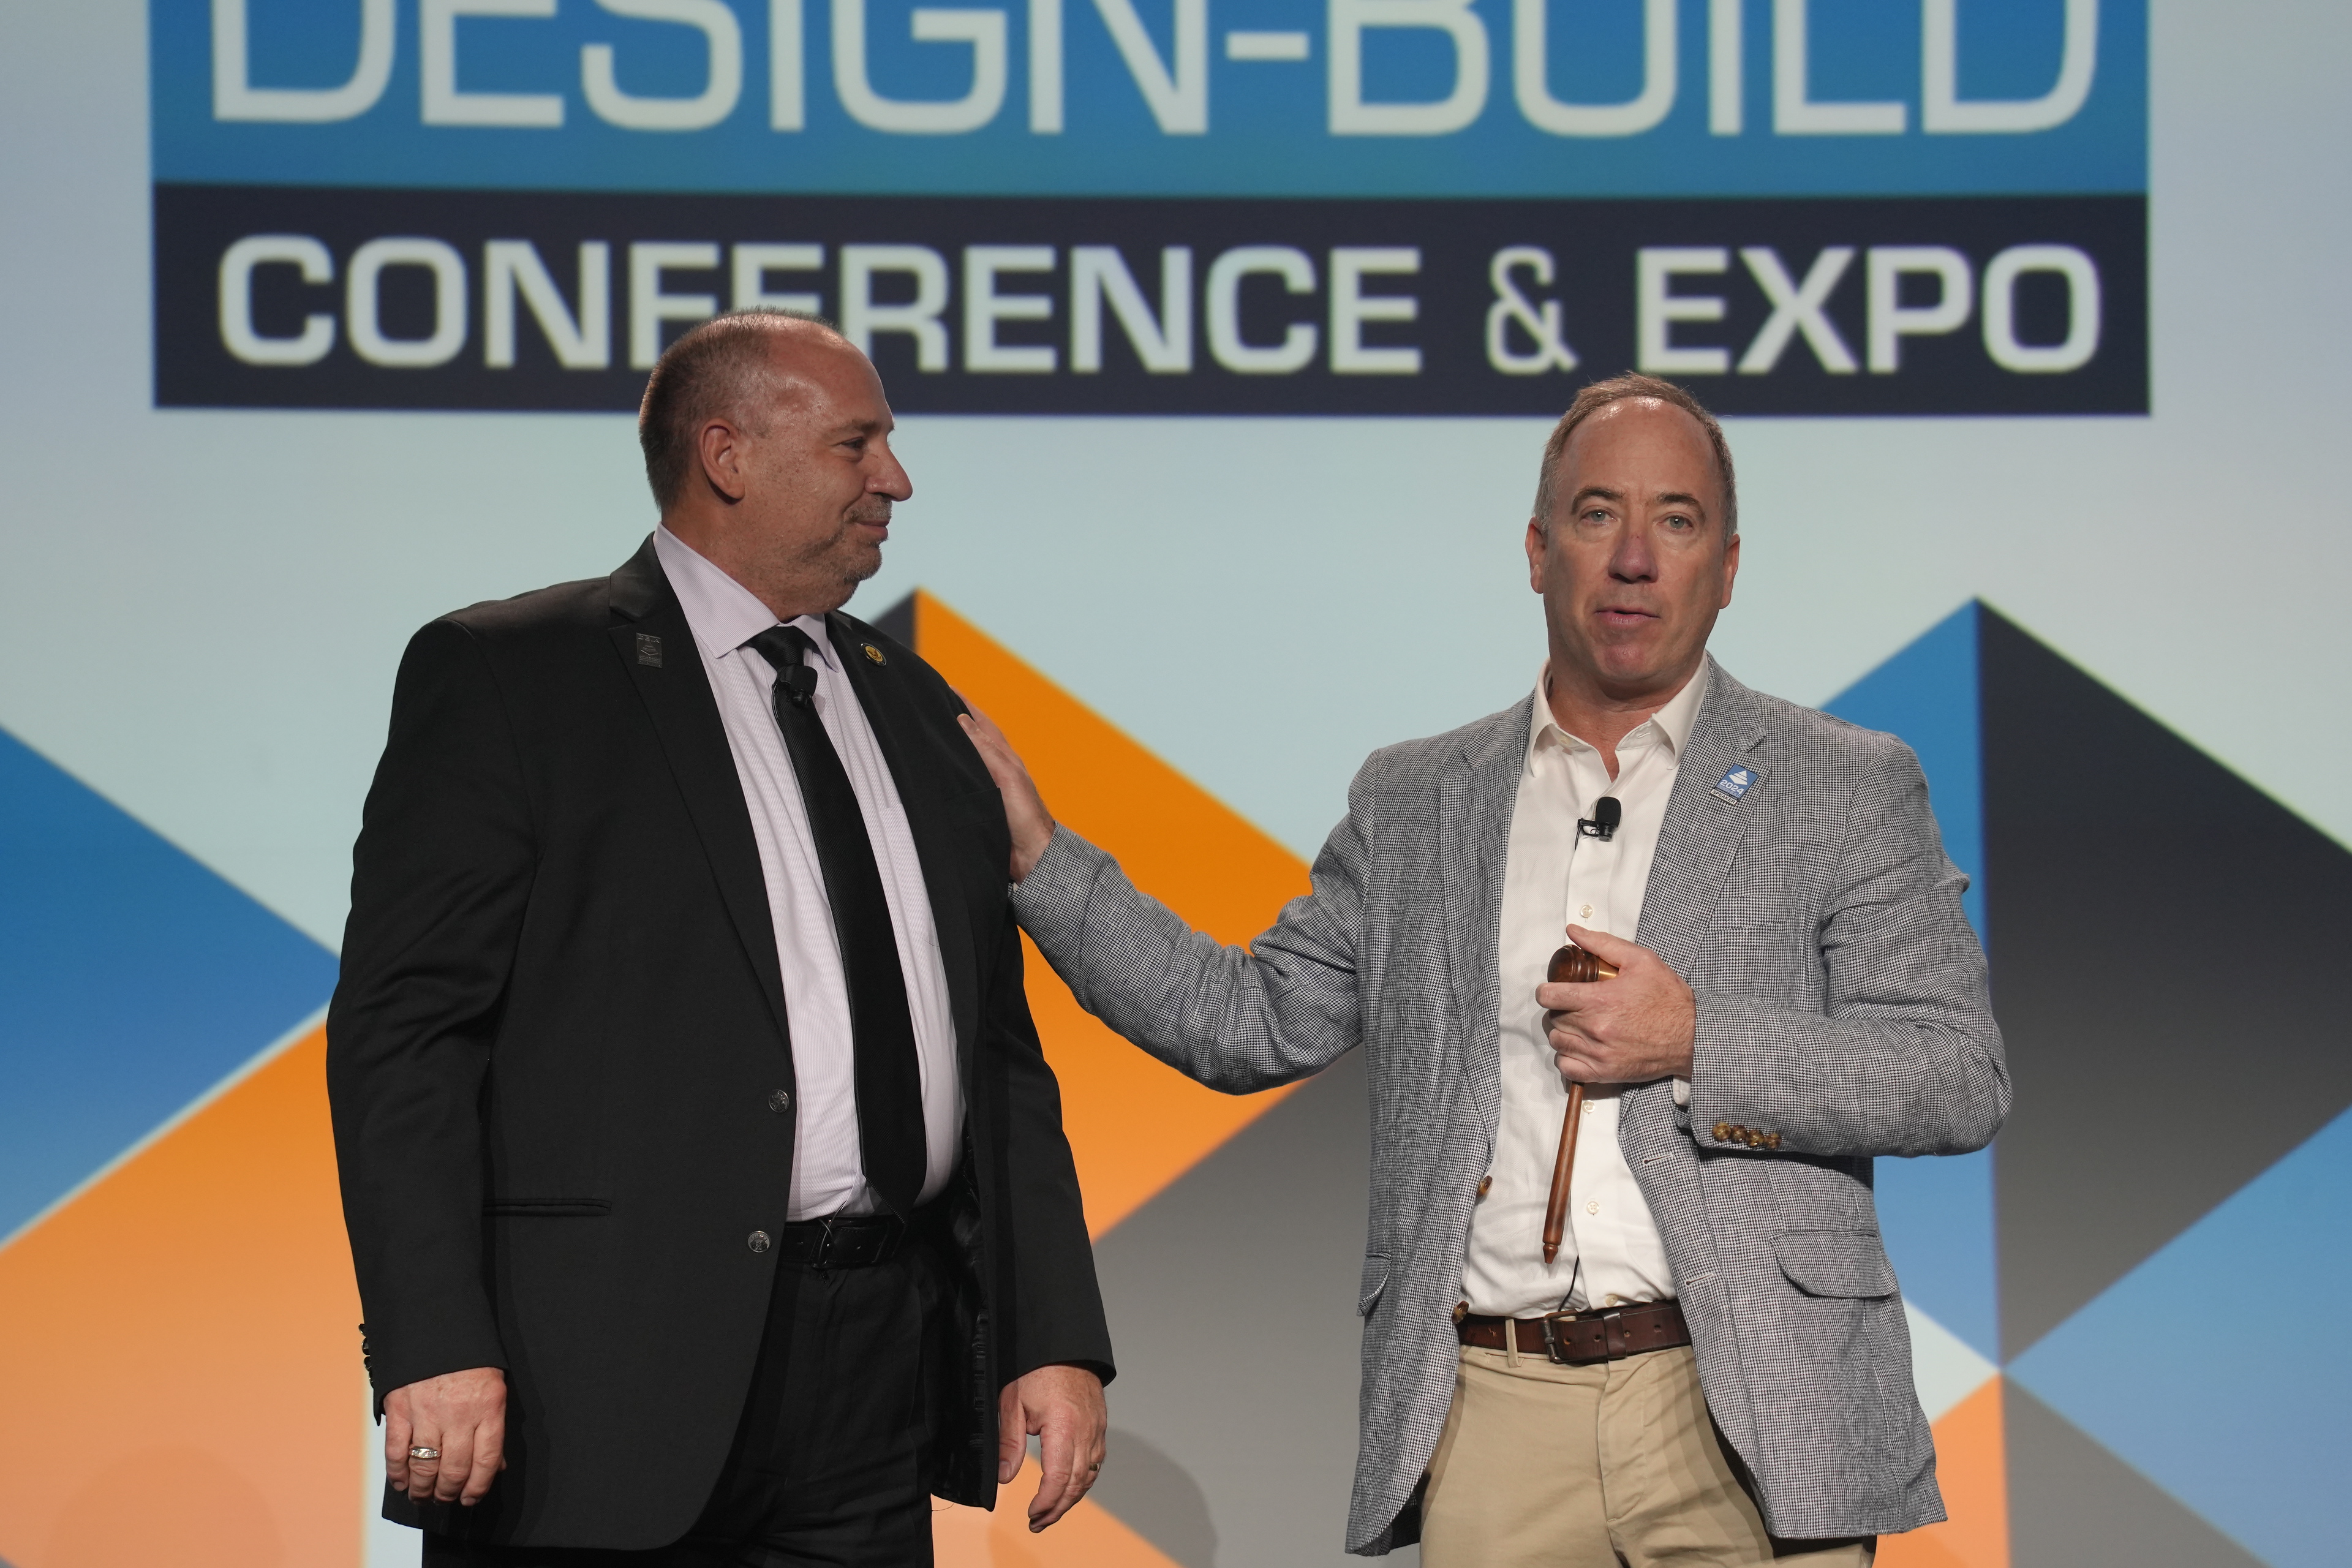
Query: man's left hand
(1634, 1028)
(1064, 1405)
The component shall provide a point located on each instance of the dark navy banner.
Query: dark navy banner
(278, 295)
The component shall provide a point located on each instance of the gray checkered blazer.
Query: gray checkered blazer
(1842, 1004)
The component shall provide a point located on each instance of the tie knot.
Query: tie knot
(786, 650)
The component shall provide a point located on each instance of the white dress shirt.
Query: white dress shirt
(1612, 1254)
(828, 1172)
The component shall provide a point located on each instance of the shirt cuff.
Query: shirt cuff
(1682, 1092)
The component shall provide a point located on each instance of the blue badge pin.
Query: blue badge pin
(1735, 783)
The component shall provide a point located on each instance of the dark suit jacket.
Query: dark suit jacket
(559, 1021)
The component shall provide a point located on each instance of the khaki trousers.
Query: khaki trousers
(1591, 1466)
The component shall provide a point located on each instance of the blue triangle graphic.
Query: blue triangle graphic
(2219, 1368)
(132, 980)
(1927, 695)
(1937, 1214)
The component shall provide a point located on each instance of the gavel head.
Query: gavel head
(1572, 966)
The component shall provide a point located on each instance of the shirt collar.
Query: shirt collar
(1674, 721)
(722, 613)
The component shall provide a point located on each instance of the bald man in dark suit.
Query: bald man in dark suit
(704, 1175)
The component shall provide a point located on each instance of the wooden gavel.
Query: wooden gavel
(1570, 965)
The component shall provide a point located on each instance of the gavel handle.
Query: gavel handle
(1556, 1208)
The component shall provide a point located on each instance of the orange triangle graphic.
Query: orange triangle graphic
(1088, 1536)
(1972, 1465)
(1134, 1124)
(180, 1353)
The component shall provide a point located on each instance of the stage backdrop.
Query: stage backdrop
(1224, 341)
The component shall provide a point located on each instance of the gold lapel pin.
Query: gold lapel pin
(874, 653)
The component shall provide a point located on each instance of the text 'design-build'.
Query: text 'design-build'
(1367, 206)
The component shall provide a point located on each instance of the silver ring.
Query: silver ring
(421, 1452)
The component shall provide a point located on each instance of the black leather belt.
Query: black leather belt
(1579, 1339)
(841, 1241)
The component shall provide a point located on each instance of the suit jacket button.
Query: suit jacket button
(1723, 1131)
(1755, 1139)
(780, 1102)
(1771, 1139)
(757, 1241)
(1484, 1182)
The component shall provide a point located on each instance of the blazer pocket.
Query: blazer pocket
(548, 1208)
(1835, 1262)
(1375, 1282)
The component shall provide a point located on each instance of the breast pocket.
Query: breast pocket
(1843, 1263)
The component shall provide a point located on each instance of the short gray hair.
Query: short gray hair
(1599, 395)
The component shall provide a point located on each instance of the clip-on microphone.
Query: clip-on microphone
(1603, 823)
(799, 682)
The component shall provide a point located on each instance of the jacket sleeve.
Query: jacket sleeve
(1237, 1019)
(1905, 1056)
(440, 877)
(1057, 1310)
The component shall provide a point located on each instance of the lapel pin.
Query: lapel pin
(1735, 783)
(649, 649)
(874, 653)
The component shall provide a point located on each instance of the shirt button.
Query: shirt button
(1585, 909)
(780, 1102)
(1592, 1206)
(757, 1241)
(1613, 1300)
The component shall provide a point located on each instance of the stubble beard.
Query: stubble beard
(852, 560)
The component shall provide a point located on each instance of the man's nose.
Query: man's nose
(1632, 561)
(889, 478)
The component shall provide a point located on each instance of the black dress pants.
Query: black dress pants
(830, 1467)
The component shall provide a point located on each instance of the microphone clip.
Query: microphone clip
(1602, 824)
(798, 683)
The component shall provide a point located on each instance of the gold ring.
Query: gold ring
(421, 1452)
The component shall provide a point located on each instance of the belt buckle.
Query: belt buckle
(1611, 1336)
(824, 1258)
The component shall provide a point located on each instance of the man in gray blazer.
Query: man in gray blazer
(1714, 1369)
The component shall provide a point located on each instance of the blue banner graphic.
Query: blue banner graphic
(1283, 207)
(1425, 98)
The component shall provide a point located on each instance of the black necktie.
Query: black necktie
(888, 1078)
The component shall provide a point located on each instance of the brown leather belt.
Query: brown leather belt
(1579, 1339)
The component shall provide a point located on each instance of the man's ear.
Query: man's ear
(718, 445)
(1536, 541)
